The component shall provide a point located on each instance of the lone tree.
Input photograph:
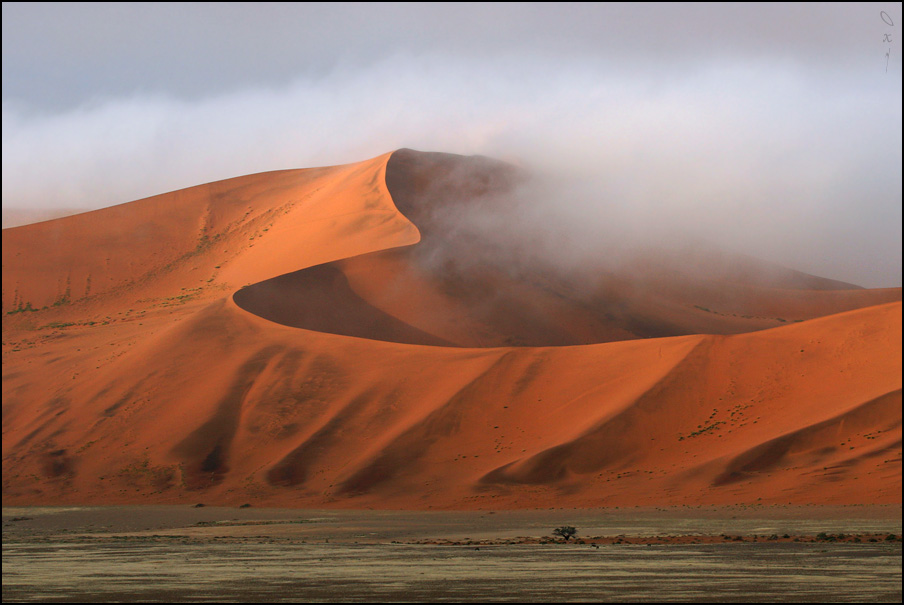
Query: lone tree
(566, 531)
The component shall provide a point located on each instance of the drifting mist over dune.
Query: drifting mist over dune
(772, 131)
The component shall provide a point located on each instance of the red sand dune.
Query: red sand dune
(321, 338)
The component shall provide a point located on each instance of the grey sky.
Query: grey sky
(771, 128)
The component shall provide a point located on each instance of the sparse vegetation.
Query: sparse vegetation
(703, 429)
(23, 309)
(54, 325)
(566, 532)
(59, 324)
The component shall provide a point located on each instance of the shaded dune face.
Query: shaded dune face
(321, 299)
(463, 284)
(478, 277)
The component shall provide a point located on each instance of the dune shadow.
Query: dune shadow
(320, 299)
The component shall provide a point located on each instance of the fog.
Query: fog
(774, 132)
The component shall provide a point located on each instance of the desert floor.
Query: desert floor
(700, 554)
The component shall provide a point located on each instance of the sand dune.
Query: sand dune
(474, 288)
(16, 217)
(320, 338)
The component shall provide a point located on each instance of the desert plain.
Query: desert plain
(350, 339)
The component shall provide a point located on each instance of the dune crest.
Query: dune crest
(467, 285)
(320, 337)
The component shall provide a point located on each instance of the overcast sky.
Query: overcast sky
(773, 129)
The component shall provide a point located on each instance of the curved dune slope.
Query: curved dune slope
(261, 340)
(467, 285)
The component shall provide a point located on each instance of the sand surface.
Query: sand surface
(203, 523)
(316, 339)
(723, 573)
(700, 554)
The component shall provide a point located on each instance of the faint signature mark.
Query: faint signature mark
(888, 21)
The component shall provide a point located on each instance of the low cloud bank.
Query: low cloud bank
(799, 168)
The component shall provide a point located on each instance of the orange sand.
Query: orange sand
(286, 339)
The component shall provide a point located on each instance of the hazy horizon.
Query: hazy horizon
(774, 130)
